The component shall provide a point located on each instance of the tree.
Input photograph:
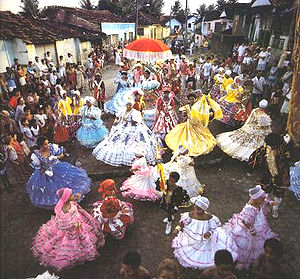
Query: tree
(232, 1)
(86, 4)
(201, 10)
(221, 4)
(211, 7)
(155, 7)
(30, 7)
(176, 8)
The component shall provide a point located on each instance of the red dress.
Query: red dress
(99, 90)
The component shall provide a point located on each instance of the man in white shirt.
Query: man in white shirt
(37, 65)
(262, 62)
(258, 89)
(206, 71)
(241, 52)
(70, 59)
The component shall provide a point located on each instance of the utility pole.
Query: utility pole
(186, 21)
(136, 18)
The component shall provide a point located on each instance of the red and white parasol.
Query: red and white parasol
(147, 50)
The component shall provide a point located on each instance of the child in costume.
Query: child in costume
(249, 229)
(141, 185)
(71, 237)
(197, 239)
(92, 129)
(114, 216)
(166, 118)
(182, 163)
(173, 197)
(51, 174)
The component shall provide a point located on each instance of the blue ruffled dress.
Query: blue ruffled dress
(50, 175)
(92, 129)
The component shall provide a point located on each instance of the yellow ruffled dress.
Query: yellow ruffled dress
(194, 134)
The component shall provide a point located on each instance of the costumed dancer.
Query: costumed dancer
(92, 129)
(166, 118)
(241, 143)
(227, 79)
(70, 237)
(51, 174)
(99, 90)
(114, 215)
(123, 92)
(194, 132)
(139, 103)
(230, 103)
(249, 229)
(150, 86)
(141, 185)
(127, 133)
(216, 92)
(174, 196)
(274, 158)
(182, 163)
(197, 237)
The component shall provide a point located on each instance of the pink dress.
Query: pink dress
(141, 185)
(59, 244)
(248, 247)
(191, 248)
(117, 223)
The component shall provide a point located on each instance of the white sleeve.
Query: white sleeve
(35, 162)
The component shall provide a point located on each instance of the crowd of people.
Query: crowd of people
(166, 104)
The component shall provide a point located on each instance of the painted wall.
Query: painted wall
(208, 27)
(41, 50)
(123, 30)
(192, 21)
(6, 55)
(67, 46)
(86, 48)
(20, 50)
(172, 23)
(155, 32)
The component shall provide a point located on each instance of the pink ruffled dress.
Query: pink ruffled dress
(191, 248)
(59, 244)
(246, 246)
(141, 185)
(117, 225)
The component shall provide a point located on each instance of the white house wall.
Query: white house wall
(41, 50)
(117, 28)
(66, 46)
(172, 23)
(6, 55)
(20, 50)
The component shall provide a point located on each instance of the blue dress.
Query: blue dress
(50, 175)
(92, 129)
(295, 179)
(126, 138)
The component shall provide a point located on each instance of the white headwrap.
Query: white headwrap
(263, 103)
(256, 192)
(62, 92)
(228, 72)
(201, 202)
(221, 69)
(77, 92)
(89, 99)
(130, 100)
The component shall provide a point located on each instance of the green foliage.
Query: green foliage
(176, 8)
(86, 4)
(30, 7)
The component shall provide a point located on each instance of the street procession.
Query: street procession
(148, 139)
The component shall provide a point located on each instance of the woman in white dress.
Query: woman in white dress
(241, 143)
(197, 239)
(182, 163)
(141, 185)
(126, 136)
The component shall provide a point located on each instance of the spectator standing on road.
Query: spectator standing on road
(258, 89)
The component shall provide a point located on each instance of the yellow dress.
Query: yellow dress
(77, 106)
(226, 82)
(194, 134)
(65, 107)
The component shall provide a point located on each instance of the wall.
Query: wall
(192, 21)
(67, 46)
(209, 26)
(86, 48)
(41, 50)
(123, 30)
(20, 50)
(173, 22)
(155, 32)
(6, 55)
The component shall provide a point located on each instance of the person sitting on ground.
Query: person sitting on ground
(268, 264)
(167, 269)
(223, 269)
(131, 267)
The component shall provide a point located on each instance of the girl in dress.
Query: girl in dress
(127, 133)
(50, 175)
(249, 229)
(70, 237)
(216, 92)
(194, 132)
(113, 215)
(141, 185)
(92, 130)
(166, 118)
(197, 239)
(182, 163)
(241, 143)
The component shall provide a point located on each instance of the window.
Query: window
(189, 25)
(140, 31)
(125, 36)
(218, 27)
(130, 36)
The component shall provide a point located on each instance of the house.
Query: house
(151, 27)
(173, 23)
(191, 24)
(271, 22)
(116, 28)
(25, 38)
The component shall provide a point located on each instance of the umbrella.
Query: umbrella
(147, 50)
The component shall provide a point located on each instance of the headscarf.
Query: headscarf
(110, 207)
(201, 202)
(106, 186)
(263, 103)
(64, 195)
(256, 192)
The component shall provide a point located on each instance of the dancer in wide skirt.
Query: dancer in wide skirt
(51, 174)
(71, 237)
